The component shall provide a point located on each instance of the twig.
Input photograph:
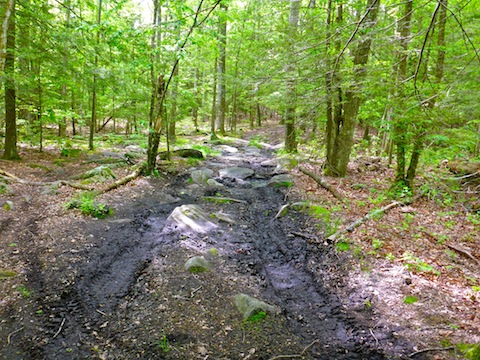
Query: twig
(371, 332)
(293, 356)
(323, 183)
(431, 349)
(101, 312)
(9, 337)
(464, 252)
(59, 329)
(223, 199)
(192, 294)
(279, 213)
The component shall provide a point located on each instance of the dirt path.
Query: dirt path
(118, 288)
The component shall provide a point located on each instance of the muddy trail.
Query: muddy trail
(130, 296)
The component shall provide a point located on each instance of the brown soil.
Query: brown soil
(76, 287)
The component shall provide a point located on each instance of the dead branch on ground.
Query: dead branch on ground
(352, 226)
(323, 183)
(464, 252)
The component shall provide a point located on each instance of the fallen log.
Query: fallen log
(132, 176)
(352, 226)
(323, 183)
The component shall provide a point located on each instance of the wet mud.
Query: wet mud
(129, 296)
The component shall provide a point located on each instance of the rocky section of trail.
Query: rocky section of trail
(131, 296)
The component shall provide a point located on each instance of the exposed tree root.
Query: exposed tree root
(323, 183)
(352, 226)
(101, 190)
(121, 181)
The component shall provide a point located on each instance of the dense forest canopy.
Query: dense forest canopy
(403, 75)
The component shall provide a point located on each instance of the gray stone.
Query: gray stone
(252, 150)
(191, 217)
(214, 183)
(250, 306)
(228, 149)
(269, 163)
(8, 205)
(201, 176)
(282, 180)
(236, 172)
(197, 264)
(135, 149)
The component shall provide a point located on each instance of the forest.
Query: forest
(341, 137)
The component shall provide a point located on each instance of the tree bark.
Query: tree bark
(222, 45)
(290, 111)
(93, 119)
(10, 152)
(342, 144)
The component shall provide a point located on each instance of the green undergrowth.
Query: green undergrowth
(87, 204)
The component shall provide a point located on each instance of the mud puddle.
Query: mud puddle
(131, 297)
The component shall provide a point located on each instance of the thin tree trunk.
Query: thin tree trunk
(93, 120)
(290, 130)
(222, 45)
(213, 134)
(10, 152)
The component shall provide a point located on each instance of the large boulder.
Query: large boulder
(236, 172)
(191, 217)
(201, 176)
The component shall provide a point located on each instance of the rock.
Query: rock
(100, 171)
(8, 205)
(269, 163)
(236, 173)
(252, 150)
(282, 180)
(134, 149)
(228, 149)
(214, 183)
(201, 176)
(197, 264)
(250, 306)
(191, 217)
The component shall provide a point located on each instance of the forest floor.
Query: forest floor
(75, 287)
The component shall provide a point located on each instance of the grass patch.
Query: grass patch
(86, 203)
(410, 300)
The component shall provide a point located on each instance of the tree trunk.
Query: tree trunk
(213, 135)
(342, 146)
(93, 119)
(222, 44)
(196, 106)
(290, 112)
(10, 152)
(173, 112)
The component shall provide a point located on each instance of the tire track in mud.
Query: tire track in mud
(270, 250)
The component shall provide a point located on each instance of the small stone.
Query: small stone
(197, 264)
(250, 306)
(214, 183)
(8, 205)
(202, 350)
